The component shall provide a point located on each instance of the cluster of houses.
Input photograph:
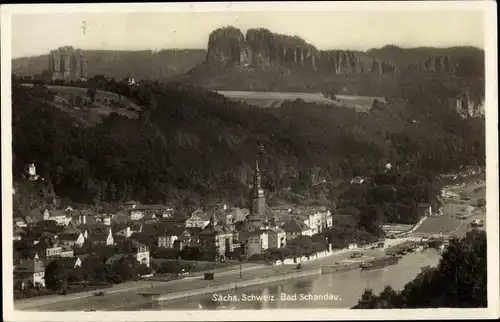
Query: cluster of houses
(220, 231)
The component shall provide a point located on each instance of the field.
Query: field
(275, 99)
(91, 113)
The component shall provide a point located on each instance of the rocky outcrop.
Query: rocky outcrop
(438, 64)
(259, 47)
(467, 105)
(227, 46)
(263, 48)
(67, 63)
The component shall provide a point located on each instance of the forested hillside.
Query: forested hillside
(190, 146)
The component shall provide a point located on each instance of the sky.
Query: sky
(36, 34)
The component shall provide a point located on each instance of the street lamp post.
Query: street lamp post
(241, 270)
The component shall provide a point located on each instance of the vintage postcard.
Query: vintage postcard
(250, 161)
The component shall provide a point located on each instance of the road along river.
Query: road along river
(335, 290)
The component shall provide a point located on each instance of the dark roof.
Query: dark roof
(201, 214)
(99, 232)
(57, 212)
(137, 244)
(100, 236)
(162, 229)
(423, 205)
(151, 207)
(83, 257)
(118, 227)
(30, 266)
(71, 236)
(36, 213)
(216, 230)
(88, 212)
(69, 262)
(193, 230)
(121, 217)
(94, 228)
(30, 220)
(144, 238)
(119, 238)
(295, 226)
(136, 226)
(44, 243)
(310, 210)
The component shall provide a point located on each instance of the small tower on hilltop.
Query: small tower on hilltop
(31, 171)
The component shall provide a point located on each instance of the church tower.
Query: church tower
(258, 203)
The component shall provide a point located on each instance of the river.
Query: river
(339, 290)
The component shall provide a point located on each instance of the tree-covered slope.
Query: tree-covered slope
(189, 145)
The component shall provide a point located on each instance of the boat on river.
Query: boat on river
(380, 262)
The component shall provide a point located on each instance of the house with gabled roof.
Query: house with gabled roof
(121, 232)
(277, 237)
(57, 215)
(216, 239)
(256, 241)
(30, 271)
(424, 209)
(72, 238)
(295, 227)
(199, 218)
(48, 247)
(129, 205)
(139, 211)
(67, 251)
(120, 217)
(169, 237)
(317, 218)
(98, 234)
(146, 238)
(135, 248)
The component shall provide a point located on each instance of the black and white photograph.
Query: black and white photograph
(250, 161)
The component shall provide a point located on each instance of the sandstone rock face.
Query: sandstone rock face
(261, 48)
(467, 106)
(67, 63)
(227, 46)
(438, 64)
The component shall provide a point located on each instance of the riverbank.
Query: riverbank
(344, 286)
(242, 283)
(123, 296)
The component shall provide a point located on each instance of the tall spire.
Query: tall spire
(257, 178)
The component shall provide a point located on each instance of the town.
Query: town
(150, 233)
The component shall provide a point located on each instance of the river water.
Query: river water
(336, 290)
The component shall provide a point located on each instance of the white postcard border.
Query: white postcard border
(491, 103)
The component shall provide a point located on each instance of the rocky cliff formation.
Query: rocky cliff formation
(469, 104)
(67, 63)
(261, 48)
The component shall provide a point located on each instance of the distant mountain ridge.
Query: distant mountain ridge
(262, 60)
(143, 64)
